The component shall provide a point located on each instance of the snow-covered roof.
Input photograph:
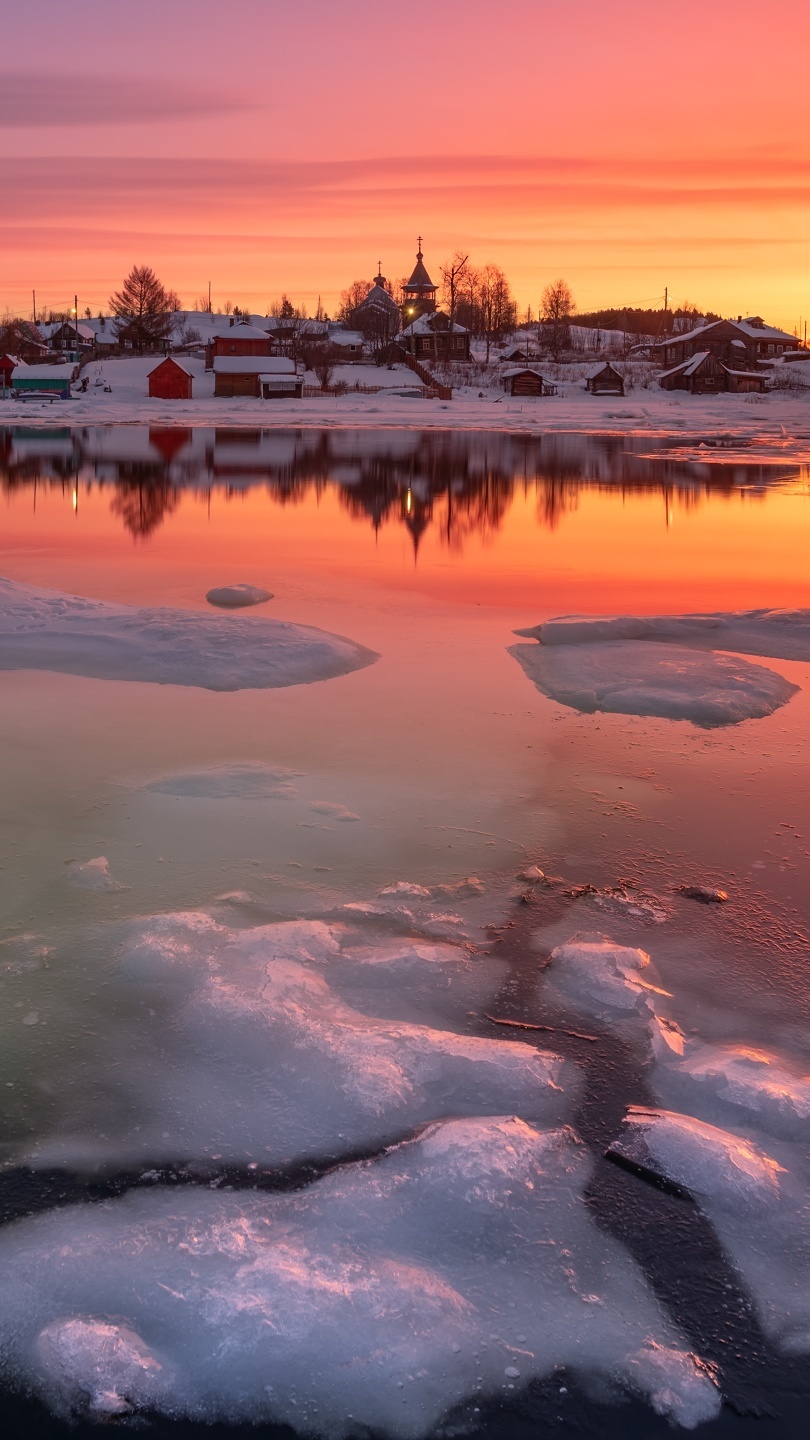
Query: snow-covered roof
(378, 295)
(240, 331)
(521, 370)
(252, 365)
(753, 328)
(106, 337)
(599, 369)
(687, 367)
(49, 372)
(425, 325)
(169, 359)
(347, 337)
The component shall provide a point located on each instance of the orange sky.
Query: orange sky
(269, 147)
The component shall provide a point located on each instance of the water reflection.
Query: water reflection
(459, 483)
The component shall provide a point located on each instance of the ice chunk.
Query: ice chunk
(781, 634)
(734, 1084)
(380, 1298)
(46, 630)
(92, 874)
(248, 780)
(706, 1161)
(756, 1200)
(706, 894)
(648, 678)
(97, 1364)
(333, 810)
(233, 597)
(270, 1044)
(602, 979)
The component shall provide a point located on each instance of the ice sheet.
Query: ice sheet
(458, 1266)
(781, 634)
(46, 630)
(634, 677)
(276, 1044)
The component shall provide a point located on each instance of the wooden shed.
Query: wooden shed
(261, 376)
(704, 374)
(604, 379)
(523, 380)
(170, 381)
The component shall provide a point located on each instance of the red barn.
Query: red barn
(170, 381)
(8, 364)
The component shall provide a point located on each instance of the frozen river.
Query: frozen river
(259, 907)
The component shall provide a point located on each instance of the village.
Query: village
(423, 339)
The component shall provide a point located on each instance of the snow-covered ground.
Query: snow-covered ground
(652, 410)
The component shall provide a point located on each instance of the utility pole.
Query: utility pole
(210, 312)
(34, 293)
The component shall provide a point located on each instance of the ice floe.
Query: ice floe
(92, 874)
(390, 1294)
(47, 630)
(280, 1043)
(235, 597)
(651, 678)
(247, 780)
(780, 634)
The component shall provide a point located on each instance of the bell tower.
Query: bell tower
(419, 294)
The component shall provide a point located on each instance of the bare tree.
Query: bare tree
(143, 309)
(496, 305)
(324, 370)
(453, 274)
(556, 308)
(351, 298)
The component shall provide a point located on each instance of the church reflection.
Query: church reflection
(453, 484)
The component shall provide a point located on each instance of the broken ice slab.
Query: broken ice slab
(453, 1268)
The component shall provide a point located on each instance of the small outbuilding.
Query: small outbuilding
(523, 380)
(704, 374)
(53, 381)
(260, 376)
(604, 379)
(170, 381)
(8, 364)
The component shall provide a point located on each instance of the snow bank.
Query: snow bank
(45, 630)
(234, 597)
(626, 677)
(458, 1266)
(280, 1043)
(780, 634)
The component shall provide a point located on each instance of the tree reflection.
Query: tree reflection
(453, 484)
(144, 506)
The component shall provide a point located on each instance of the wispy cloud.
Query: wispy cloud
(29, 101)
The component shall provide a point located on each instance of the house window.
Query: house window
(458, 341)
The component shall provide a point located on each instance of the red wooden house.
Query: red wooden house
(170, 381)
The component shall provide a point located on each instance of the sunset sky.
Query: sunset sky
(271, 147)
